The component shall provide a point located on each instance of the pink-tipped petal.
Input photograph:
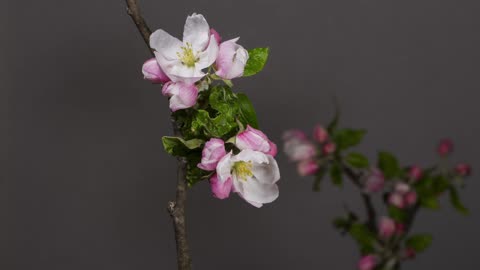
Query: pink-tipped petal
(273, 149)
(220, 189)
(216, 35)
(152, 72)
(231, 59)
(181, 95)
(212, 152)
(256, 140)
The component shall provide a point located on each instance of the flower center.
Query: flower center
(243, 169)
(187, 56)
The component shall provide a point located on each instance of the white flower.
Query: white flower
(184, 61)
(254, 175)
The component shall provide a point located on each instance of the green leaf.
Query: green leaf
(346, 138)
(177, 146)
(419, 242)
(388, 164)
(430, 202)
(364, 237)
(195, 174)
(256, 61)
(336, 174)
(357, 160)
(455, 200)
(397, 214)
(341, 223)
(247, 113)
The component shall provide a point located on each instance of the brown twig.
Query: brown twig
(134, 11)
(371, 214)
(175, 208)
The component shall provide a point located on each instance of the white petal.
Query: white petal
(250, 155)
(209, 55)
(181, 73)
(165, 44)
(254, 191)
(196, 32)
(224, 167)
(267, 173)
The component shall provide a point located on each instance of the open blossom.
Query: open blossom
(231, 60)
(374, 181)
(307, 167)
(445, 147)
(297, 147)
(253, 174)
(463, 169)
(182, 95)
(256, 140)
(386, 227)
(183, 61)
(320, 134)
(152, 72)
(220, 189)
(212, 152)
(368, 262)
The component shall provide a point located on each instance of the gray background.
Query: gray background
(86, 179)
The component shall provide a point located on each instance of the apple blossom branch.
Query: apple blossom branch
(385, 241)
(175, 208)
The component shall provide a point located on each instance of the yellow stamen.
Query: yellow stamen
(243, 169)
(187, 56)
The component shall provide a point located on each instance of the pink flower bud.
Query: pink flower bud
(410, 198)
(216, 35)
(307, 167)
(152, 72)
(294, 134)
(374, 181)
(220, 189)
(399, 228)
(328, 148)
(386, 227)
(396, 200)
(256, 140)
(445, 147)
(182, 95)
(320, 134)
(368, 262)
(212, 152)
(415, 173)
(463, 169)
(231, 59)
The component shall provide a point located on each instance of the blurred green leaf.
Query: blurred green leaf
(346, 138)
(357, 160)
(397, 214)
(455, 200)
(364, 237)
(256, 61)
(336, 174)
(388, 164)
(419, 242)
(319, 178)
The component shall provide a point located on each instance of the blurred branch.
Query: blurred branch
(175, 208)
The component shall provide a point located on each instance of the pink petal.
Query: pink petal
(152, 72)
(181, 95)
(220, 189)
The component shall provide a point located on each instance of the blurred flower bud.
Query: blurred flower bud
(368, 262)
(307, 167)
(386, 227)
(374, 181)
(463, 169)
(396, 200)
(410, 198)
(329, 148)
(415, 173)
(320, 134)
(445, 147)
